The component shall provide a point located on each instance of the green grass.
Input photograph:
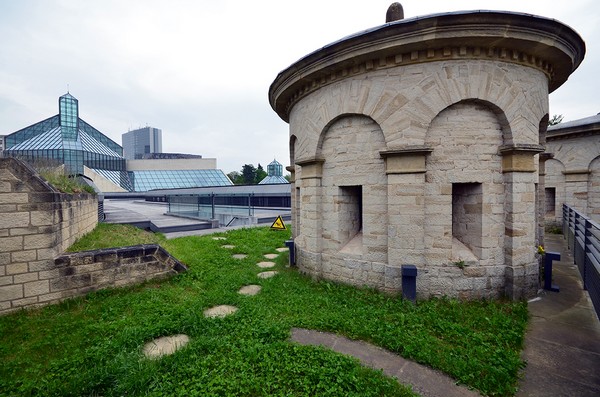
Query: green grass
(92, 345)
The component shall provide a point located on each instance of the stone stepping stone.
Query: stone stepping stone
(239, 256)
(271, 256)
(282, 249)
(250, 290)
(219, 238)
(165, 345)
(266, 274)
(265, 265)
(220, 311)
(228, 246)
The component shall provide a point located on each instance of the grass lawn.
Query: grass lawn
(92, 345)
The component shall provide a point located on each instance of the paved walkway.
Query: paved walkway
(562, 345)
(424, 380)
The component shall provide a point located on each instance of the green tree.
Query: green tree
(248, 174)
(260, 174)
(236, 177)
(556, 119)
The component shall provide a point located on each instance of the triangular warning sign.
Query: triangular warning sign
(278, 224)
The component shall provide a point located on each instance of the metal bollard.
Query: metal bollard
(290, 245)
(548, 258)
(409, 282)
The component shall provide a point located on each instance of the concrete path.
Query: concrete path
(562, 345)
(424, 380)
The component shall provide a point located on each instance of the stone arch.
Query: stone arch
(354, 197)
(464, 191)
(344, 116)
(594, 189)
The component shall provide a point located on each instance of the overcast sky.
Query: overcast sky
(200, 70)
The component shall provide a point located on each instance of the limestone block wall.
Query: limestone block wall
(417, 142)
(36, 224)
(82, 272)
(408, 213)
(573, 174)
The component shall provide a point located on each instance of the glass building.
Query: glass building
(175, 179)
(67, 139)
(274, 174)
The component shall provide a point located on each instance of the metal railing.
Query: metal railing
(583, 239)
(208, 206)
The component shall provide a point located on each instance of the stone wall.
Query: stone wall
(36, 224)
(573, 172)
(432, 126)
(82, 272)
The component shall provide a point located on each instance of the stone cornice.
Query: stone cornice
(521, 148)
(523, 39)
(310, 161)
(407, 150)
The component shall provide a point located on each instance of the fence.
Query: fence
(207, 206)
(583, 239)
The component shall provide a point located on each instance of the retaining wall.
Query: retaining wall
(36, 224)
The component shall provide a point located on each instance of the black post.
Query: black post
(548, 258)
(290, 245)
(409, 282)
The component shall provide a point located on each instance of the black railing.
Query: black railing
(583, 239)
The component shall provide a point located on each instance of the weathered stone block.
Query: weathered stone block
(25, 301)
(14, 198)
(16, 268)
(25, 277)
(14, 219)
(24, 256)
(10, 244)
(11, 292)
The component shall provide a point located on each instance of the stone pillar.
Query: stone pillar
(518, 168)
(293, 200)
(309, 220)
(542, 196)
(576, 188)
(405, 169)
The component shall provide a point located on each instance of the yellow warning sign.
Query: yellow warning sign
(278, 224)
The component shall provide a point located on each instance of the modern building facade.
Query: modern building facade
(67, 139)
(141, 142)
(274, 174)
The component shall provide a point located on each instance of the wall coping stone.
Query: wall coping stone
(114, 254)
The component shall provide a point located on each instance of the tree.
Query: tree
(260, 174)
(556, 119)
(235, 177)
(248, 174)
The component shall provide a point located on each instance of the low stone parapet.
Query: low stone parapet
(82, 272)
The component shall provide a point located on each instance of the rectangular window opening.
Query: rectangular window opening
(467, 218)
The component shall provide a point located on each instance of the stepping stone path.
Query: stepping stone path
(282, 249)
(240, 256)
(228, 246)
(219, 238)
(266, 274)
(265, 265)
(220, 311)
(165, 345)
(271, 256)
(250, 290)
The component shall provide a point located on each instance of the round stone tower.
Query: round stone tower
(417, 142)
